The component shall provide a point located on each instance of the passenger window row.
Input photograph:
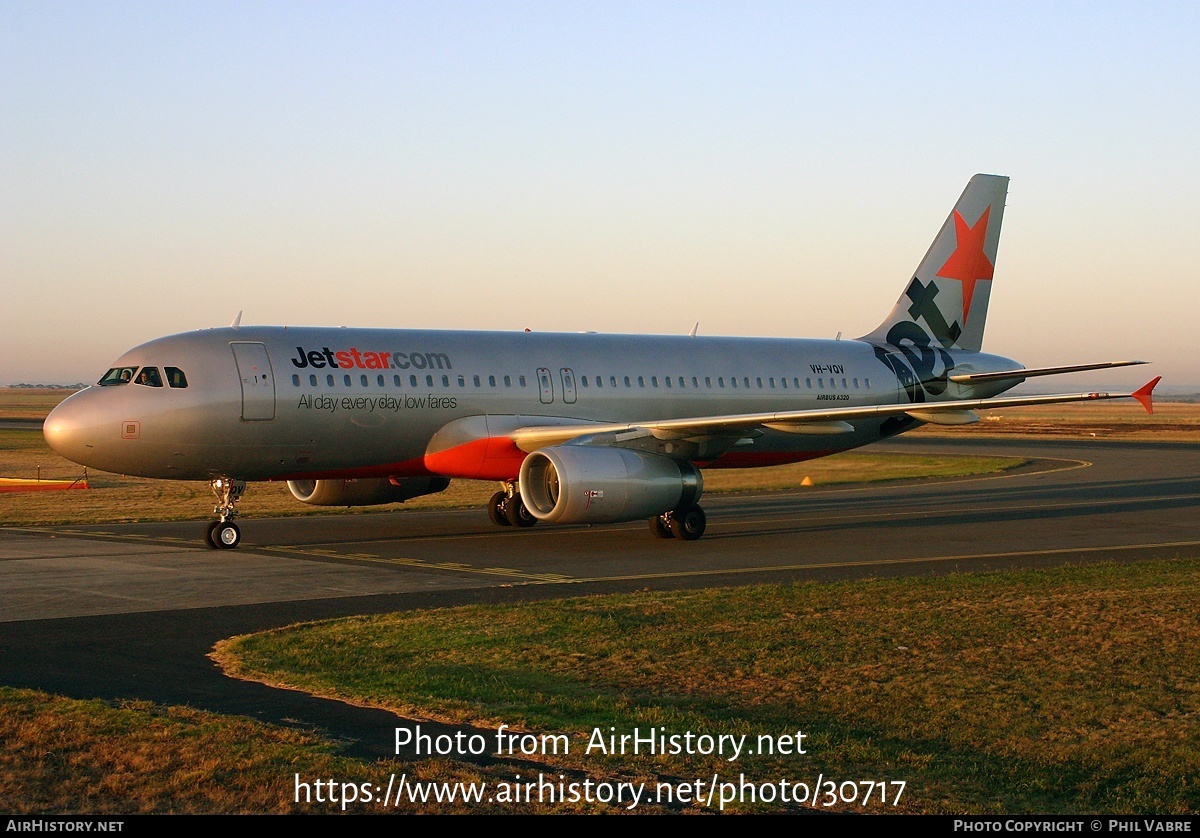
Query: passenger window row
(346, 380)
(668, 382)
(695, 382)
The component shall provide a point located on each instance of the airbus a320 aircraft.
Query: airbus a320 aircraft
(578, 428)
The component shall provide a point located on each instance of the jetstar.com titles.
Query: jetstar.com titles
(354, 358)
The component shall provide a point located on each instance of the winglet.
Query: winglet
(1145, 395)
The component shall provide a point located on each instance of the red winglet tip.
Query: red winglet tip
(1146, 393)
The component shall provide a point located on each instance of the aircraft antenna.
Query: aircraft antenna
(839, 336)
(695, 328)
(237, 322)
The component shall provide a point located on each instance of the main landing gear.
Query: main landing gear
(686, 524)
(222, 533)
(506, 509)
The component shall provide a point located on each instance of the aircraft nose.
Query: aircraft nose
(71, 428)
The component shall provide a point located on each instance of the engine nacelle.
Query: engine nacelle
(368, 492)
(581, 484)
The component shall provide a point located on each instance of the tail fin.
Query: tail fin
(947, 299)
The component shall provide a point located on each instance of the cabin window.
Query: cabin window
(867, 382)
(583, 380)
(429, 381)
(666, 380)
(641, 381)
(329, 380)
(782, 381)
(759, 380)
(491, 381)
(721, 382)
(346, 380)
(507, 381)
(772, 383)
(380, 381)
(521, 380)
(746, 381)
(312, 381)
(695, 382)
(683, 383)
(175, 377)
(820, 383)
(627, 381)
(844, 387)
(445, 381)
(733, 381)
(856, 384)
(796, 381)
(808, 383)
(295, 381)
(362, 379)
(476, 380)
(396, 380)
(117, 375)
(599, 381)
(149, 377)
(462, 381)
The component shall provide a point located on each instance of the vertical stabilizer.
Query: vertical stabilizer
(946, 301)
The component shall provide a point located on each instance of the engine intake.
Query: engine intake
(368, 492)
(580, 484)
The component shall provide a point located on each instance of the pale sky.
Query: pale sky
(765, 169)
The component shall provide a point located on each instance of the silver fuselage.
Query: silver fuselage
(278, 403)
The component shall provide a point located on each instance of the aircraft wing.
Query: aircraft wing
(822, 420)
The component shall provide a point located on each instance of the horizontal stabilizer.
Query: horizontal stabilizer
(976, 377)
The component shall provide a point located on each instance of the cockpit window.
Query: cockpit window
(175, 377)
(149, 377)
(117, 375)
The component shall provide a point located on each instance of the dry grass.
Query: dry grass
(29, 402)
(1170, 422)
(63, 756)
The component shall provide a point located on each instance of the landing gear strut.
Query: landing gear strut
(506, 509)
(686, 524)
(222, 533)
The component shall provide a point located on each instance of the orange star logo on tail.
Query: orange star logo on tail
(968, 263)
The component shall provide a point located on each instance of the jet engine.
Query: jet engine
(366, 492)
(581, 484)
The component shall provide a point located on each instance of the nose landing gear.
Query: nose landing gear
(222, 533)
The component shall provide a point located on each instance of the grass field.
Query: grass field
(1171, 421)
(1074, 690)
(63, 756)
(1071, 690)
(29, 402)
